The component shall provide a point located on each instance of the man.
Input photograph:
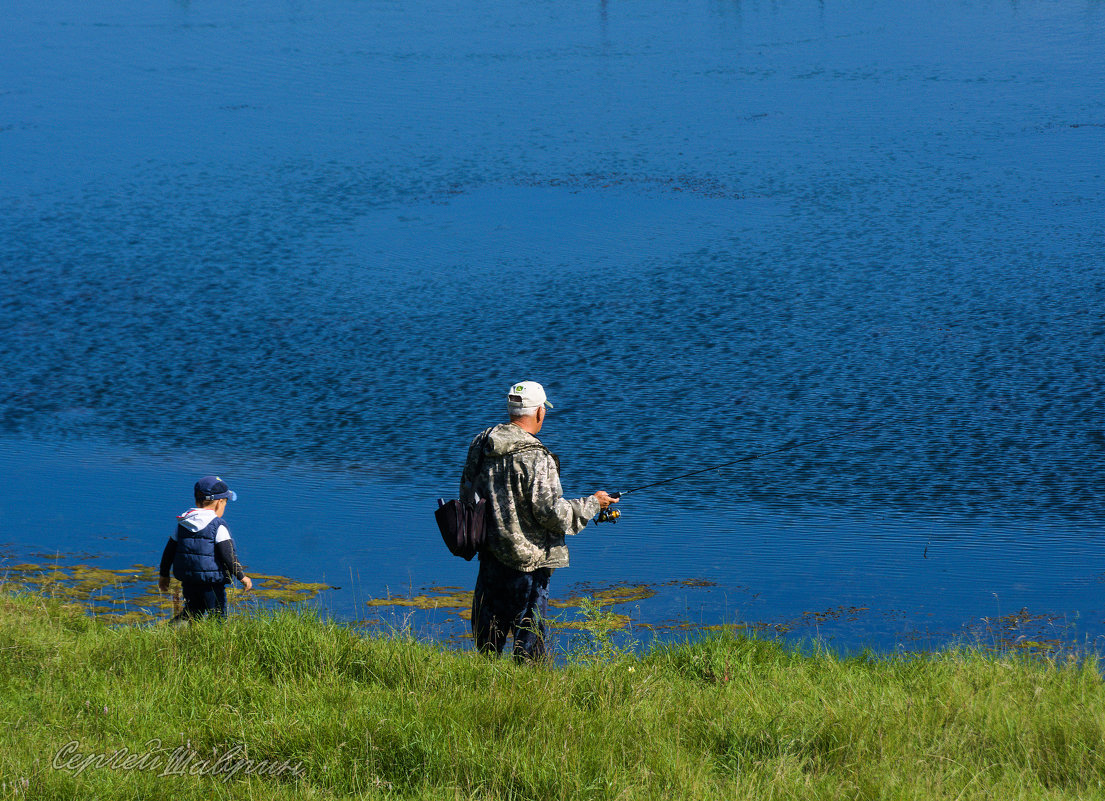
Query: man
(527, 519)
(201, 551)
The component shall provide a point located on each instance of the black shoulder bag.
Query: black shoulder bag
(461, 522)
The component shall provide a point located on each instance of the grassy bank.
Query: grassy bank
(284, 705)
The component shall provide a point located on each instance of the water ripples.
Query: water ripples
(332, 237)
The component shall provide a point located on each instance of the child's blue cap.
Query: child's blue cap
(213, 488)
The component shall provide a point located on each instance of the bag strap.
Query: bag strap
(479, 460)
(483, 450)
(538, 446)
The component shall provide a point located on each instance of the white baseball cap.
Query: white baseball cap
(525, 397)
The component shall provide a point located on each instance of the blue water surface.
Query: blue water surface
(308, 246)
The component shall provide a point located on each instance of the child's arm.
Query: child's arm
(224, 551)
(166, 564)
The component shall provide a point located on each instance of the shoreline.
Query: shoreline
(440, 613)
(857, 583)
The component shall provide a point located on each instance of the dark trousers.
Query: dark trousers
(203, 599)
(506, 602)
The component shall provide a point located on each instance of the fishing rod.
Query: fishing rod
(611, 515)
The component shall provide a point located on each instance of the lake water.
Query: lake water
(308, 246)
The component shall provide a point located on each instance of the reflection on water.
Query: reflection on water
(323, 240)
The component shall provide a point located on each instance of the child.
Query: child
(201, 552)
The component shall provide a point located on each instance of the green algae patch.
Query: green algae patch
(130, 595)
(120, 595)
(1032, 632)
(588, 613)
(608, 596)
(459, 600)
(283, 589)
(609, 621)
(444, 598)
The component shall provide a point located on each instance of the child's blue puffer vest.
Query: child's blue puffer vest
(195, 560)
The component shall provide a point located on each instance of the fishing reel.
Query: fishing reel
(608, 515)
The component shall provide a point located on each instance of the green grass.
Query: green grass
(723, 718)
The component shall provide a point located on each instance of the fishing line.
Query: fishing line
(611, 515)
(753, 456)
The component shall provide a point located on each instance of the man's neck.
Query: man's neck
(527, 424)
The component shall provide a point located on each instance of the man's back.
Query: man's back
(528, 517)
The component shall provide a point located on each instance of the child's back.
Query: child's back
(201, 551)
